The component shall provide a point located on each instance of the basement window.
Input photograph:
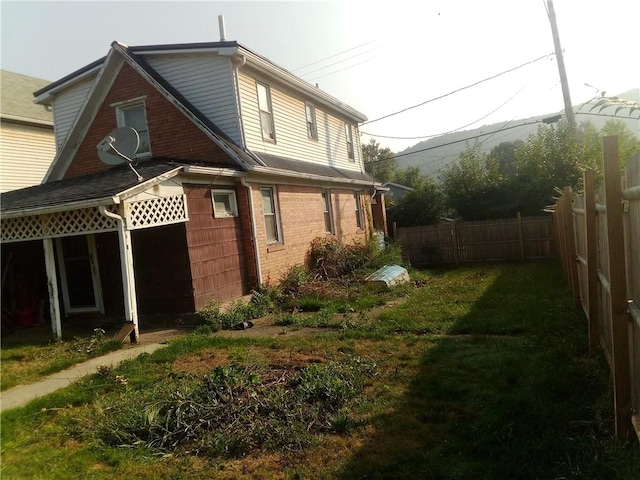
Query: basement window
(224, 203)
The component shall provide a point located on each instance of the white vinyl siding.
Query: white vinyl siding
(25, 155)
(291, 128)
(66, 107)
(206, 81)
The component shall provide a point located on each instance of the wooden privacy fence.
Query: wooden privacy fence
(599, 246)
(520, 238)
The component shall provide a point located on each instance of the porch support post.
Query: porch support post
(126, 267)
(128, 280)
(52, 287)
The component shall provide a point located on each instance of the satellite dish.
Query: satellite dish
(120, 146)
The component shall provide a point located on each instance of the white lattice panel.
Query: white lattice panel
(59, 224)
(156, 212)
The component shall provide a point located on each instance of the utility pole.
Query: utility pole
(568, 108)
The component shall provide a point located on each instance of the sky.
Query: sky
(379, 57)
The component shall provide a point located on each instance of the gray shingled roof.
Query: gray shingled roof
(84, 188)
(16, 98)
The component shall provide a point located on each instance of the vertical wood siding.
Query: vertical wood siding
(206, 80)
(291, 129)
(108, 249)
(66, 107)
(26, 151)
(216, 250)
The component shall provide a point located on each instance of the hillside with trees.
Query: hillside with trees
(515, 176)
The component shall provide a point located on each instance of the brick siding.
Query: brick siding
(302, 220)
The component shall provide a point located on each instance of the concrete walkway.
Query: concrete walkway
(22, 394)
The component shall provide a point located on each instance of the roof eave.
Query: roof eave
(311, 176)
(45, 95)
(62, 207)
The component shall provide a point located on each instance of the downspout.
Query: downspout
(254, 235)
(128, 278)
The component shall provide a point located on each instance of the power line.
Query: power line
(460, 89)
(458, 128)
(345, 68)
(340, 61)
(333, 56)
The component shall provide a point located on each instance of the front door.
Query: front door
(80, 275)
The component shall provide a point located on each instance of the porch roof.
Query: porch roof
(86, 189)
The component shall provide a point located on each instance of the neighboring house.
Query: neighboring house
(243, 164)
(396, 190)
(27, 146)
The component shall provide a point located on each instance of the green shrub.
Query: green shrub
(260, 304)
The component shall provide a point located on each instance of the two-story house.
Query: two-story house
(27, 144)
(242, 165)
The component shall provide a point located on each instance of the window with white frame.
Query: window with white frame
(312, 126)
(326, 210)
(224, 203)
(358, 208)
(270, 212)
(348, 130)
(266, 112)
(132, 114)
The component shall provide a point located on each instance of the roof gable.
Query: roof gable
(120, 58)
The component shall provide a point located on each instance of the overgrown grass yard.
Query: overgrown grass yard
(482, 373)
(31, 357)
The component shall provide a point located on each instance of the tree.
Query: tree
(475, 189)
(552, 157)
(380, 163)
(410, 176)
(422, 206)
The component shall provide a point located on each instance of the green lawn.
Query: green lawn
(482, 373)
(29, 356)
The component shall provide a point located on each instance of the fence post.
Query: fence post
(571, 246)
(617, 283)
(560, 226)
(593, 309)
(520, 237)
(454, 238)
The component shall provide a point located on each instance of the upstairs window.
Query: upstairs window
(326, 208)
(348, 130)
(266, 112)
(312, 126)
(358, 209)
(132, 114)
(270, 212)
